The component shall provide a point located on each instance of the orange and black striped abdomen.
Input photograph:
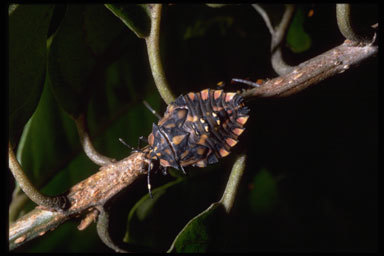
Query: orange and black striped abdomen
(198, 129)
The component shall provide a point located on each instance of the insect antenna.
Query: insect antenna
(128, 146)
(244, 81)
(151, 109)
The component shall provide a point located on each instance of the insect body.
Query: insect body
(197, 129)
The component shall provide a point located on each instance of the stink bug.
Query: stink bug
(197, 129)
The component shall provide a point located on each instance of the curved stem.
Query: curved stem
(103, 230)
(278, 63)
(153, 48)
(265, 17)
(343, 16)
(88, 147)
(277, 37)
(50, 202)
(233, 183)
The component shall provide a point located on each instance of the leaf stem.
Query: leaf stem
(51, 202)
(277, 37)
(233, 183)
(103, 230)
(153, 48)
(344, 22)
(88, 147)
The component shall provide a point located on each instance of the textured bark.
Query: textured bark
(83, 197)
(315, 70)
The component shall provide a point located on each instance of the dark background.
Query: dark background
(319, 147)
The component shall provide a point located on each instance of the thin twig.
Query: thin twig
(277, 61)
(233, 183)
(51, 202)
(344, 22)
(103, 230)
(277, 37)
(153, 48)
(265, 17)
(88, 147)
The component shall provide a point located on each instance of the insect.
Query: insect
(197, 129)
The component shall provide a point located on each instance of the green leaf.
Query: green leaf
(87, 40)
(134, 16)
(176, 202)
(144, 208)
(264, 194)
(199, 233)
(28, 27)
(116, 109)
(206, 231)
(297, 39)
(47, 141)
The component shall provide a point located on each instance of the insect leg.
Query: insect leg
(149, 180)
(181, 167)
(164, 170)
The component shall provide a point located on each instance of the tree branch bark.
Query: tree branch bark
(83, 197)
(315, 70)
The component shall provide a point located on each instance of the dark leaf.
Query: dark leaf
(200, 232)
(81, 48)
(28, 26)
(264, 192)
(134, 16)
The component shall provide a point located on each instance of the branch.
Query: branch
(86, 142)
(84, 197)
(345, 24)
(153, 48)
(51, 202)
(233, 184)
(315, 70)
(277, 37)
